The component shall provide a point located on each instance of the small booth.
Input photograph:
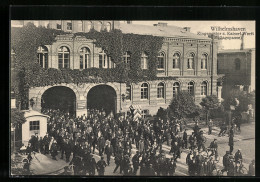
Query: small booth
(36, 122)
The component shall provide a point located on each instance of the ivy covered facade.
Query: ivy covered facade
(145, 69)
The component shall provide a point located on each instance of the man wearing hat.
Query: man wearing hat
(108, 152)
(251, 171)
(92, 166)
(225, 161)
(135, 161)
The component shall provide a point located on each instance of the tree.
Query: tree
(162, 113)
(183, 106)
(17, 117)
(210, 102)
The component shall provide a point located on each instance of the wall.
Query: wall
(26, 134)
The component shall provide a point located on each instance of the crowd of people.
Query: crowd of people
(77, 138)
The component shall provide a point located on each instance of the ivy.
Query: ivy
(27, 72)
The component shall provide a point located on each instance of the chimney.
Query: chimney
(242, 42)
(187, 29)
(161, 24)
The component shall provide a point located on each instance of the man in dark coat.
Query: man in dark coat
(54, 150)
(92, 166)
(238, 156)
(101, 145)
(225, 161)
(185, 139)
(118, 158)
(172, 167)
(108, 152)
(135, 161)
(101, 164)
(231, 143)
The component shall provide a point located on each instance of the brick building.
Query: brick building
(190, 58)
(238, 66)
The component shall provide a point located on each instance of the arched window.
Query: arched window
(108, 26)
(103, 59)
(64, 57)
(84, 58)
(204, 88)
(80, 26)
(127, 59)
(144, 61)
(176, 89)
(160, 61)
(190, 64)
(191, 88)
(160, 90)
(204, 59)
(128, 92)
(144, 91)
(237, 64)
(98, 26)
(176, 61)
(42, 55)
(69, 25)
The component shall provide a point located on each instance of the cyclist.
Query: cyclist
(238, 156)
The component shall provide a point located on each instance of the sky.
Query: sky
(231, 41)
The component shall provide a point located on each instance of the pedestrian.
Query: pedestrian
(46, 142)
(225, 161)
(54, 150)
(101, 164)
(101, 144)
(92, 167)
(185, 139)
(172, 167)
(118, 158)
(135, 161)
(210, 124)
(231, 143)
(108, 152)
(251, 171)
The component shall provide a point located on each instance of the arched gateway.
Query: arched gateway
(102, 97)
(59, 97)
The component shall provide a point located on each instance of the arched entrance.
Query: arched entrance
(59, 97)
(102, 97)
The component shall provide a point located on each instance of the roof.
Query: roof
(31, 113)
(167, 31)
(235, 50)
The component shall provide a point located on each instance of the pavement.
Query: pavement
(245, 141)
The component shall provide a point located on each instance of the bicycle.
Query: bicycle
(213, 153)
(242, 170)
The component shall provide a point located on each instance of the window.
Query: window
(204, 62)
(144, 91)
(176, 61)
(99, 26)
(204, 88)
(128, 92)
(69, 25)
(80, 26)
(191, 88)
(34, 125)
(144, 60)
(108, 26)
(126, 59)
(103, 60)
(89, 26)
(144, 113)
(176, 89)
(190, 64)
(160, 61)
(237, 64)
(42, 55)
(59, 25)
(64, 57)
(160, 90)
(84, 58)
